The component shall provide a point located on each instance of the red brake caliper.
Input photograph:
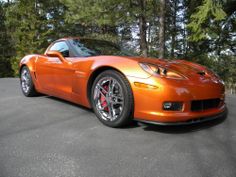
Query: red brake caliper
(103, 98)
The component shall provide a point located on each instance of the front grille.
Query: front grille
(201, 105)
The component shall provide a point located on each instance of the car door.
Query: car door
(45, 74)
(54, 74)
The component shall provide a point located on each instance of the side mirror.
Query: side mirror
(54, 53)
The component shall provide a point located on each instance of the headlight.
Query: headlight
(161, 71)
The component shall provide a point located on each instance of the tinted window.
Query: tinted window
(62, 48)
(92, 47)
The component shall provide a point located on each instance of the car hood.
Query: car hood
(190, 70)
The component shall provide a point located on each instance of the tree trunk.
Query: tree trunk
(149, 38)
(143, 29)
(173, 34)
(162, 29)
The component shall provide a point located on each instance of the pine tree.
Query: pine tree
(6, 49)
(207, 15)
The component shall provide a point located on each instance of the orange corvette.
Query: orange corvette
(119, 87)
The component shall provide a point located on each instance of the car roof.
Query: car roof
(67, 38)
(84, 38)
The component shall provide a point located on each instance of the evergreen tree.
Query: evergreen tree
(208, 15)
(6, 49)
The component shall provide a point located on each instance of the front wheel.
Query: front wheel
(27, 85)
(112, 99)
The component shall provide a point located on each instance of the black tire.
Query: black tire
(126, 115)
(30, 92)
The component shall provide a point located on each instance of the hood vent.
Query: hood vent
(202, 73)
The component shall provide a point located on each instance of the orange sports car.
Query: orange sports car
(120, 87)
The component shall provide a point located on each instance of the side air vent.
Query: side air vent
(35, 75)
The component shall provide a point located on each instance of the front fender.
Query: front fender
(126, 66)
(29, 61)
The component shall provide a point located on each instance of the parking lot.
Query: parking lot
(48, 137)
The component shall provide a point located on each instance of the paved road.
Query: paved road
(48, 137)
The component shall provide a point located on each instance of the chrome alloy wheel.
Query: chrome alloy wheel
(25, 80)
(109, 99)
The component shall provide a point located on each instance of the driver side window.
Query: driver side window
(61, 47)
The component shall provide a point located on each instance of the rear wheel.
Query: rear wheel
(112, 99)
(27, 85)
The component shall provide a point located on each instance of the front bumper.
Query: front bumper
(148, 102)
(188, 122)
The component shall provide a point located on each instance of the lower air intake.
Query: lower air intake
(201, 105)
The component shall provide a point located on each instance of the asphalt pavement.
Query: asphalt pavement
(47, 137)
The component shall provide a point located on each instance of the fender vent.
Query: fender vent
(35, 76)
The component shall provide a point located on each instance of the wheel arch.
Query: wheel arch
(30, 69)
(93, 76)
(29, 62)
(21, 67)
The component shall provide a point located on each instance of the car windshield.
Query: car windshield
(92, 47)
